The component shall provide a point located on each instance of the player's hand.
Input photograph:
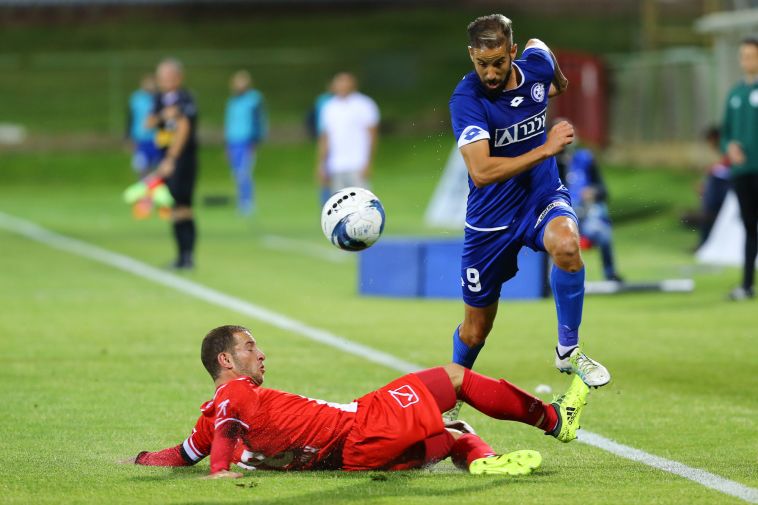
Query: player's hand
(223, 474)
(735, 153)
(559, 137)
(166, 167)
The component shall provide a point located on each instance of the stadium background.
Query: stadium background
(98, 364)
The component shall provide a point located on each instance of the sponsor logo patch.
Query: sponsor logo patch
(526, 129)
(553, 205)
(405, 396)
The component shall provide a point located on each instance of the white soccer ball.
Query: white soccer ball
(353, 219)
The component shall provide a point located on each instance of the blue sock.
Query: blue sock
(463, 354)
(568, 291)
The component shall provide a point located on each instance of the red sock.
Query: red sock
(502, 400)
(468, 448)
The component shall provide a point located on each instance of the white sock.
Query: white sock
(564, 350)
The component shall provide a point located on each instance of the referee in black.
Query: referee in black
(174, 116)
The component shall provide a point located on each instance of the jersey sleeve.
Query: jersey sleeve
(260, 120)
(468, 119)
(187, 107)
(235, 406)
(156, 108)
(372, 113)
(539, 61)
(727, 131)
(198, 445)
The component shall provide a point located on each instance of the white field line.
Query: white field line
(305, 248)
(196, 290)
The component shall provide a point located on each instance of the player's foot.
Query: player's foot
(569, 409)
(592, 373)
(452, 415)
(184, 262)
(514, 463)
(740, 294)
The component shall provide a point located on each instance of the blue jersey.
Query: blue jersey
(140, 106)
(513, 123)
(245, 118)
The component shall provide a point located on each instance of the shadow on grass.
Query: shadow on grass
(369, 486)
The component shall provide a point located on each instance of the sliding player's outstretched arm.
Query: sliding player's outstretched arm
(485, 169)
(560, 83)
(194, 448)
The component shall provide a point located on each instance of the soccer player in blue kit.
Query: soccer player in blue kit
(516, 197)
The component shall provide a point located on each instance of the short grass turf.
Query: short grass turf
(98, 365)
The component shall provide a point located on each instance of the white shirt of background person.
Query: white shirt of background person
(347, 124)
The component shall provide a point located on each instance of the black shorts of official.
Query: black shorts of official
(181, 184)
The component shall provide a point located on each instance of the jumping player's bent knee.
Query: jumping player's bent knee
(566, 255)
(562, 243)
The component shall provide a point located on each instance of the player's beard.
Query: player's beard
(495, 92)
(256, 374)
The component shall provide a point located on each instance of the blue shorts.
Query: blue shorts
(490, 257)
(241, 156)
(146, 156)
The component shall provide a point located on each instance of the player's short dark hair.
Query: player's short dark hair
(218, 340)
(490, 32)
(750, 40)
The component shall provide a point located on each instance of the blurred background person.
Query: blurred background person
(145, 155)
(715, 184)
(245, 126)
(740, 142)
(314, 120)
(348, 138)
(589, 196)
(174, 114)
(314, 125)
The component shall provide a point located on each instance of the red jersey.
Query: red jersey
(266, 428)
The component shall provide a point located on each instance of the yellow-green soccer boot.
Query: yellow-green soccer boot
(521, 462)
(569, 408)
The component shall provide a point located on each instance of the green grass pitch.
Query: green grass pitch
(98, 364)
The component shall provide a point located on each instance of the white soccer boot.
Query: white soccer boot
(590, 371)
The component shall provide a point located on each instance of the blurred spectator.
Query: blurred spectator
(314, 120)
(739, 139)
(589, 197)
(314, 125)
(348, 136)
(245, 126)
(715, 185)
(145, 153)
(174, 114)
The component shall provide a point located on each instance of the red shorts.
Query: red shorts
(391, 426)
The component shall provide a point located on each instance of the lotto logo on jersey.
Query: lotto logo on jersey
(472, 134)
(405, 396)
(526, 129)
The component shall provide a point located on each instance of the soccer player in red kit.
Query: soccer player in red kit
(396, 427)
